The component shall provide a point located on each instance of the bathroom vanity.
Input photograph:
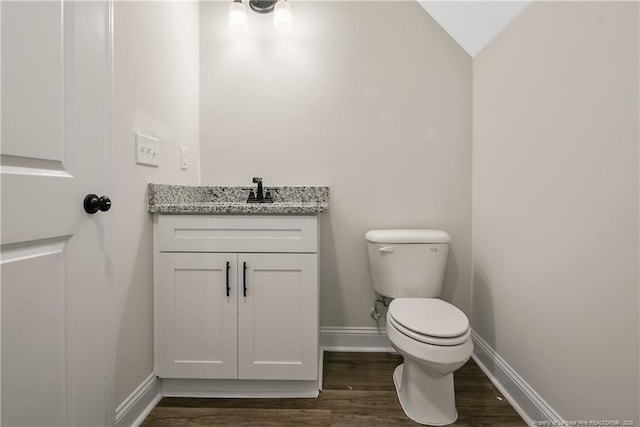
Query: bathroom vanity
(236, 291)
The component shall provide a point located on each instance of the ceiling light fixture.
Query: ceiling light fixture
(282, 17)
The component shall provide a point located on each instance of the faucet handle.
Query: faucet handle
(257, 180)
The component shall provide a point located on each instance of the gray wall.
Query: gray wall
(372, 99)
(155, 91)
(555, 204)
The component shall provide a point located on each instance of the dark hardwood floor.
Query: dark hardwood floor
(357, 391)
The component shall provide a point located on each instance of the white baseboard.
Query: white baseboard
(365, 339)
(135, 408)
(515, 389)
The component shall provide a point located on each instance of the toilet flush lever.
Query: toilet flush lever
(386, 249)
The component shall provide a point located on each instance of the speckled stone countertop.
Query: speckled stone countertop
(206, 199)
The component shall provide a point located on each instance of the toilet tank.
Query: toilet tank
(408, 263)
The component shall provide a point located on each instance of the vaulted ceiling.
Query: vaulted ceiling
(473, 24)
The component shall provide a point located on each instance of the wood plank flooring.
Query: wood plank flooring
(357, 391)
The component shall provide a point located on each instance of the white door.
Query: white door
(196, 315)
(56, 344)
(278, 316)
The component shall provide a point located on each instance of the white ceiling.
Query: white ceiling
(473, 24)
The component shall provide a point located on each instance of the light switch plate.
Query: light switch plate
(147, 150)
(184, 161)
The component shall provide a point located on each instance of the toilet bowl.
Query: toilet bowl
(434, 338)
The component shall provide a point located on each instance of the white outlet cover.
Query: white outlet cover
(147, 150)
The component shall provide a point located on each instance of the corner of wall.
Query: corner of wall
(156, 92)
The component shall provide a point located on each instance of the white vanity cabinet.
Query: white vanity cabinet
(236, 298)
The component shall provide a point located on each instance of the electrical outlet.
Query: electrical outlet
(184, 161)
(147, 150)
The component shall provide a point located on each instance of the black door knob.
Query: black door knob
(93, 203)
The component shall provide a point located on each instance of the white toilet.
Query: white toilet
(432, 335)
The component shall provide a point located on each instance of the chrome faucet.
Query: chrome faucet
(259, 196)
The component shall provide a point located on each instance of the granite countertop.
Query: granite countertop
(206, 199)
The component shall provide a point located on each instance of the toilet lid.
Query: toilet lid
(429, 316)
(427, 339)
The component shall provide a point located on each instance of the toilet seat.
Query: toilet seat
(429, 339)
(429, 320)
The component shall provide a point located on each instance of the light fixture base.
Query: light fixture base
(262, 6)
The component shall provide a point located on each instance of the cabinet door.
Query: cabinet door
(196, 320)
(278, 317)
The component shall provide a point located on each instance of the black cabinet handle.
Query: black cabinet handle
(244, 278)
(228, 288)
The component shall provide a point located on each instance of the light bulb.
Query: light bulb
(238, 17)
(282, 18)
